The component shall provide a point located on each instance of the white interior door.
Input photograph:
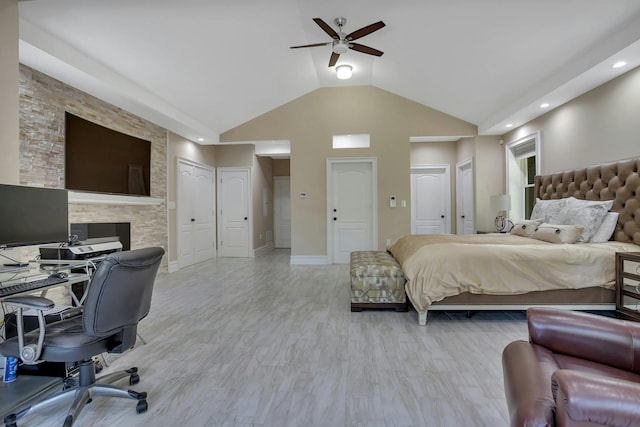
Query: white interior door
(233, 212)
(282, 211)
(195, 214)
(204, 209)
(465, 195)
(430, 199)
(351, 204)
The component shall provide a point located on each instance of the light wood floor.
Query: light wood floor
(258, 342)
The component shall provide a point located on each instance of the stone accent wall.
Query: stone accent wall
(43, 102)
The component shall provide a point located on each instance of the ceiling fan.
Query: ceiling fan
(342, 42)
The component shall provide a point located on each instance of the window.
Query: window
(523, 164)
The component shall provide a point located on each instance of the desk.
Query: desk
(78, 272)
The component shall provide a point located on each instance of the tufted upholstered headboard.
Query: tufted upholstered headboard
(618, 181)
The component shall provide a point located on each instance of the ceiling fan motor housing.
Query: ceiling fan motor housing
(340, 46)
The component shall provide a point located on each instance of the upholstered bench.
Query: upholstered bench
(377, 281)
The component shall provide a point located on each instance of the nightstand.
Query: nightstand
(628, 285)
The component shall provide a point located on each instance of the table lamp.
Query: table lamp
(501, 204)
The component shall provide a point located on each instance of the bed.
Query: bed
(518, 270)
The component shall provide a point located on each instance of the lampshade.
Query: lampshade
(501, 202)
(344, 71)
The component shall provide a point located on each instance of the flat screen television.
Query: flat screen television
(102, 160)
(33, 215)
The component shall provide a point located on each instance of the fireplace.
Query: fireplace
(91, 230)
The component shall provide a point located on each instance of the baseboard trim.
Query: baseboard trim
(174, 266)
(309, 260)
(263, 250)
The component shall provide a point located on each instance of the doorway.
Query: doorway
(282, 211)
(430, 199)
(465, 210)
(195, 194)
(234, 213)
(352, 220)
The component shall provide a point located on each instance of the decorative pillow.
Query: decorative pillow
(573, 202)
(558, 233)
(525, 228)
(588, 216)
(606, 229)
(548, 210)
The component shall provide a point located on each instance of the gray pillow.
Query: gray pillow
(548, 210)
(589, 216)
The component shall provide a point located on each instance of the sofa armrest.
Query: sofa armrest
(591, 399)
(600, 339)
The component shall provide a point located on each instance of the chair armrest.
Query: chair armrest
(600, 339)
(29, 301)
(590, 398)
(30, 353)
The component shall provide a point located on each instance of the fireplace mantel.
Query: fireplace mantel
(79, 197)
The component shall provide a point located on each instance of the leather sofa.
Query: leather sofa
(577, 369)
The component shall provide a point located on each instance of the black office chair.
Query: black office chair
(119, 296)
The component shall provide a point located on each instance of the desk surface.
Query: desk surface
(77, 272)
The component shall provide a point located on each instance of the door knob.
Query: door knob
(335, 210)
(335, 218)
(245, 218)
(441, 216)
(193, 219)
(462, 216)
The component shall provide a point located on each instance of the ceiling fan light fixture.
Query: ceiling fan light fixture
(344, 71)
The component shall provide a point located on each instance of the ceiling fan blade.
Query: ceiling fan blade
(365, 30)
(333, 59)
(326, 27)
(365, 49)
(310, 45)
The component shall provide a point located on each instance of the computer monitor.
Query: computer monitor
(33, 215)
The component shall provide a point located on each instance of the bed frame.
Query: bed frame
(618, 181)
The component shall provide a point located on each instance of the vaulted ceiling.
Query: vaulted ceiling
(201, 67)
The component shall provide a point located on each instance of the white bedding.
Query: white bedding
(438, 266)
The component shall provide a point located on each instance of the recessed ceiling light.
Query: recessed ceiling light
(544, 105)
(619, 64)
(200, 139)
(509, 125)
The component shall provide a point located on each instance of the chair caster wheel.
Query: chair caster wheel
(142, 406)
(134, 379)
(10, 420)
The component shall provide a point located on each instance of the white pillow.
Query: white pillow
(548, 210)
(588, 216)
(525, 228)
(606, 229)
(558, 233)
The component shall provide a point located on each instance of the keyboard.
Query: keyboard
(6, 291)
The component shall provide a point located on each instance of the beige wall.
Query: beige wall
(9, 128)
(310, 121)
(231, 156)
(600, 126)
(179, 147)
(281, 167)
